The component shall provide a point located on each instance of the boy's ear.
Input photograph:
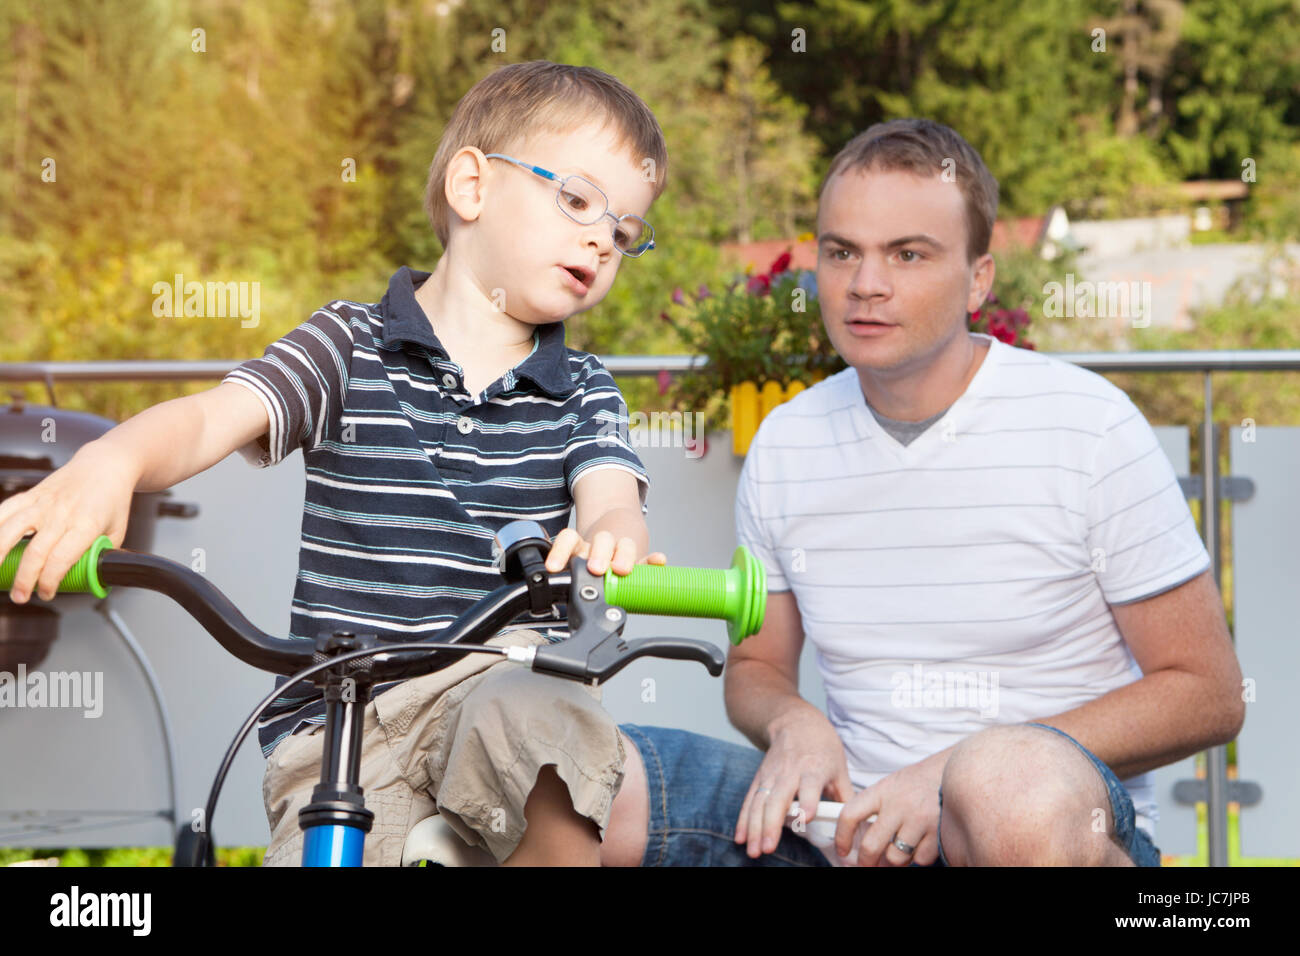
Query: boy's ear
(463, 185)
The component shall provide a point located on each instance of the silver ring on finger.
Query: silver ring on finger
(763, 790)
(905, 847)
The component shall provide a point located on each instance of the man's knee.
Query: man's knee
(1016, 794)
(629, 821)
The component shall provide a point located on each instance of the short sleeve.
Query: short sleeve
(1142, 538)
(751, 529)
(600, 437)
(301, 379)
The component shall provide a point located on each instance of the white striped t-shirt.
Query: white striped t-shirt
(963, 580)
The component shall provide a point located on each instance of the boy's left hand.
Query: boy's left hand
(601, 552)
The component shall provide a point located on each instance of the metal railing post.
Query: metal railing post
(1216, 758)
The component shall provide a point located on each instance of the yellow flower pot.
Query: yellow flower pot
(750, 404)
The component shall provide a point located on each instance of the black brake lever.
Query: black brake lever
(596, 650)
(602, 666)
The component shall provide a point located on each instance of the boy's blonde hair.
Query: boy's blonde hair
(511, 104)
(924, 147)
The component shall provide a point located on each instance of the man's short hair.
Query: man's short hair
(512, 103)
(927, 148)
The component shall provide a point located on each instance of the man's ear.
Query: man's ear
(464, 184)
(983, 272)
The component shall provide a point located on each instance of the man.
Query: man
(1014, 616)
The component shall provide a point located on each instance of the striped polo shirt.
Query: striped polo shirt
(409, 475)
(963, 579)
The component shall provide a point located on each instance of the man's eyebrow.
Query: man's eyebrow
(892, 244)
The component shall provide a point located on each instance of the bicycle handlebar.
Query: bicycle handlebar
(737, 595)
(594, 651)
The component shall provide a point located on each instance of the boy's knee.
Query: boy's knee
(519, 731)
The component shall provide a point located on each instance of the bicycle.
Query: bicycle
(346, 665)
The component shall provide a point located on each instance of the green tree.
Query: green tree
(1235, 84)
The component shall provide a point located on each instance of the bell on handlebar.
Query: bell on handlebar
(520, 549)
(509, 543)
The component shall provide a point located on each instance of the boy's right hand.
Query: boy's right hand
(68, 510)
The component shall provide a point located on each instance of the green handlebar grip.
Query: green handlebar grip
(737, 595)
(82, 577)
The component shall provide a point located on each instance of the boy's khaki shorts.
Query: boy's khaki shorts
(466, 742)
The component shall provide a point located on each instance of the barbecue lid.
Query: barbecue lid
(37, 439)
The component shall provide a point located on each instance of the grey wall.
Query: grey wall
(1265, 530)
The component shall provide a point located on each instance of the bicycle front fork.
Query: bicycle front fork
(336, 821)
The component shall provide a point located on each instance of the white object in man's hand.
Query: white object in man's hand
(820, 830)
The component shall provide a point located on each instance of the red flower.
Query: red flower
(780, 265)
(665, 379)
(759, 285)
(1001, 331)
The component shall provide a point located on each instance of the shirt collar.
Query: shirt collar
(404, 321)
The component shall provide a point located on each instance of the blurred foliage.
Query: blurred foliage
(154, 138)
(1272, 210)
(1028, 86)
(1020, 273)
(127, 855)
(1267, 398)
(259, 127)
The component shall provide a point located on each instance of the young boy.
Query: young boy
(427, 421)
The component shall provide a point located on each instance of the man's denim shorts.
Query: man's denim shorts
(698, 783)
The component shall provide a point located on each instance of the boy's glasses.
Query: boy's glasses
(583, 202)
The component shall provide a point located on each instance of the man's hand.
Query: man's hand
(906, 804)
(805, 759)
(601, 552)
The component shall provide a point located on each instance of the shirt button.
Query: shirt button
(449, 380)
(464, 425)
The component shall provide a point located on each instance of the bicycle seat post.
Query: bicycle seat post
(336, 821)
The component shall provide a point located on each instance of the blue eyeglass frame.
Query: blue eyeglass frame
(561, 180)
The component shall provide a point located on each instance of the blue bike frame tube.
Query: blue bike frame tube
(332, 844)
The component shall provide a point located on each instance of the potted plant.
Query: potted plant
(764, 342)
